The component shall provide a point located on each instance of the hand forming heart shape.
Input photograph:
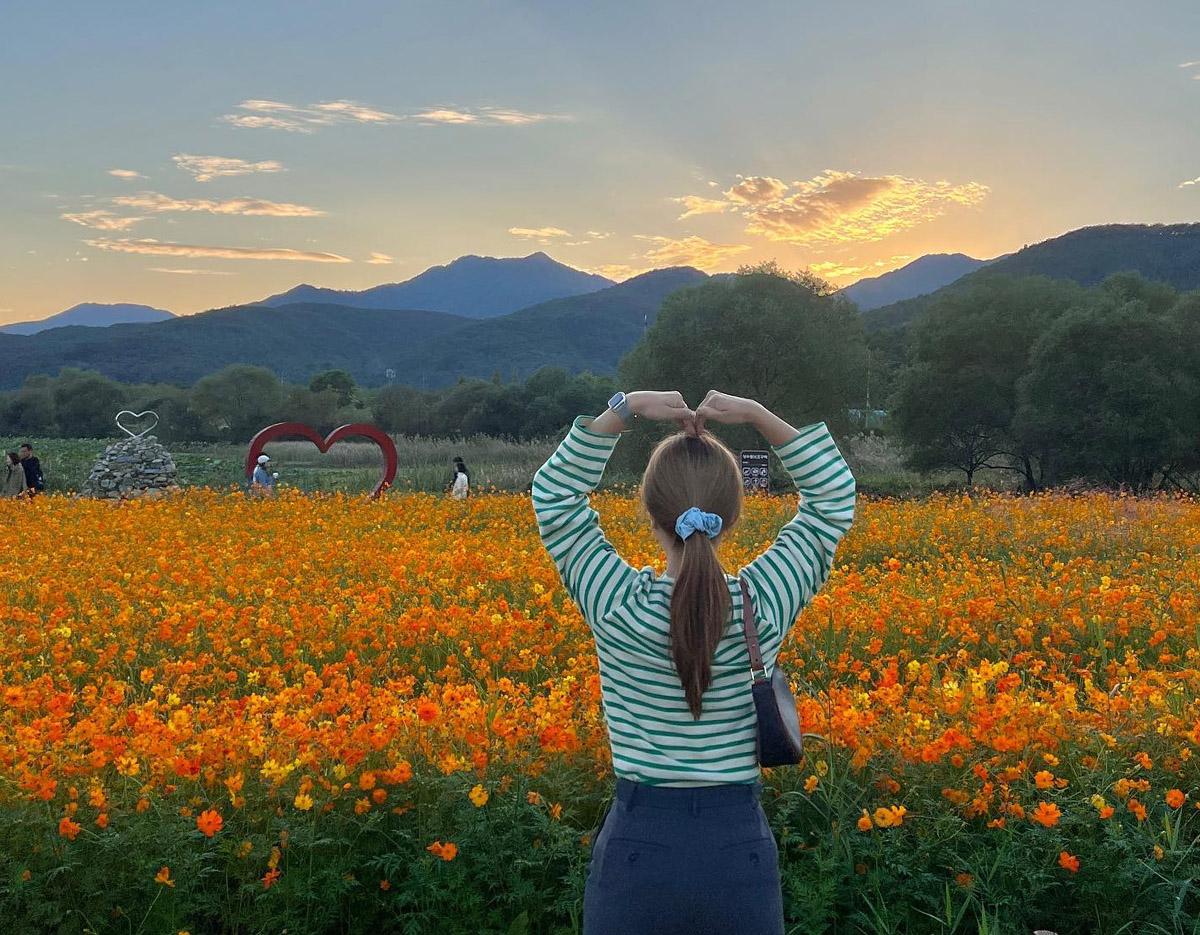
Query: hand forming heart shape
(299, 429)
(136, 415)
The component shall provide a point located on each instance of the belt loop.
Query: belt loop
(695, 802)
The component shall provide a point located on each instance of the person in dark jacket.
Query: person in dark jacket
(34, 482)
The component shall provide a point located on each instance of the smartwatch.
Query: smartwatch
(620, 405)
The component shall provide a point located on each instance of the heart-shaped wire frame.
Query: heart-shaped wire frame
(136, 415)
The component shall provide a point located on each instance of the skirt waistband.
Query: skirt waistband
(687, 798)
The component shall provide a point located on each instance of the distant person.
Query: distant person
(34, 482)
(14, 476)
(460, 483)
(262, 481)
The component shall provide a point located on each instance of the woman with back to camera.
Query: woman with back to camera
(685, 847)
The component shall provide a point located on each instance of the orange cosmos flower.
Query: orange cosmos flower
(864, 821)
(1175, 798)
(164, 877)
(68, 829)
(478, 796)
(209, 822)
(446, 851)
(428, 711)
(890, 817)
(1046, 814)
(1068, 862)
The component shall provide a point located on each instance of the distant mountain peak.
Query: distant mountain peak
(471, 285)
(923, 275)
(92, 315)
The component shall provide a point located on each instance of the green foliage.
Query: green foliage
(1055, 382)
(781, 339)
(340, 382)
(1112, 391)
(955, 405)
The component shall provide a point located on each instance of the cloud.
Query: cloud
(541, 234)
(380, 259)
(249, 207)
(358, 113)
(446, 115)
(617, 272)
(258, 114)
(484, 116)
(689, 251)
(755, 190)
(835, 207)
(189, 272)
(207, 168)
(125, 174)
(158, 248)
(1189, 182)
(276, 115)
(831, 269)
(599, 235)
(695, 205)
(1190, 64)
(842, 207)
(101, 220)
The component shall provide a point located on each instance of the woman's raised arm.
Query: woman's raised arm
(787, 576)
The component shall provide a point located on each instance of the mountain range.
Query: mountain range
(1167, 253)
(424, 348)
(91, 314)
(465, 323)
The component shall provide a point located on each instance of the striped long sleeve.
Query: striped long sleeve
(786, 577)
(570, 529)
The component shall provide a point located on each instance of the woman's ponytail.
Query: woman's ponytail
(692, 480)
(699, 608)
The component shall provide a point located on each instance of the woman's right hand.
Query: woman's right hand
(727, 409)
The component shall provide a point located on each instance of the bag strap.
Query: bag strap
(750, 631)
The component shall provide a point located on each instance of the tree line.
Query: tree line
(234, 403)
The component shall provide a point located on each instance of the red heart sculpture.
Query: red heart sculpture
(300, 430)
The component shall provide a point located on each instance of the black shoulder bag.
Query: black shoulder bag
(780, 740)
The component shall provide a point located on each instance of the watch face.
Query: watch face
(616, 400)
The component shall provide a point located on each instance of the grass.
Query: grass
(425, 465)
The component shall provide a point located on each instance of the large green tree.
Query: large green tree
(954, 404)
(783, 339)
(236, 402)
(1112, 392)
(85, 404)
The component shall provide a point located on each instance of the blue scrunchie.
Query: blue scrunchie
(696, 520)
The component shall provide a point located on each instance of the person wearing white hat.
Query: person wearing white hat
(262, 482)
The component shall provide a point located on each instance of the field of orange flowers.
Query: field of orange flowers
(332, 714)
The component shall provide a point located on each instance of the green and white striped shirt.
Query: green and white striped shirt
(653, 735)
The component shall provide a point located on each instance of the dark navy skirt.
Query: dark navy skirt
(692, 861)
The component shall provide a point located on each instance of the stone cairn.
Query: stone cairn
(134, 467)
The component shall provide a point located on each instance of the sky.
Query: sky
(192, 156)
